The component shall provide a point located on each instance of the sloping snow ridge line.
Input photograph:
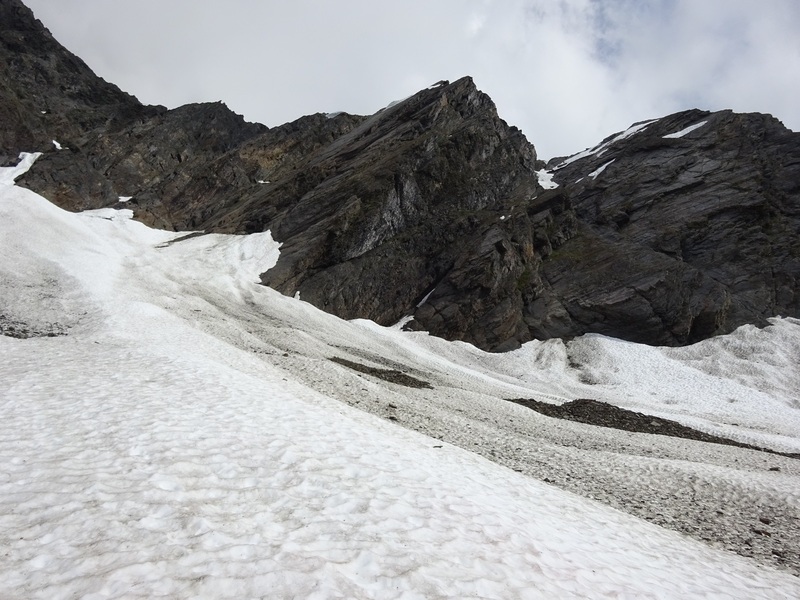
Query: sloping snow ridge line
(163, 449)
(600, 169)
(601, 148)
(9, 174)
(683, 132)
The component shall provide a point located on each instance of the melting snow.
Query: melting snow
(170, 446)
(546, 179)
(402, 322)
(9, 174)
(600, 169)
(602, 148)
(425, 299)
(683, 132)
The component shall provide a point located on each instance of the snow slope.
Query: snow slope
(603, 147)
(187, 437)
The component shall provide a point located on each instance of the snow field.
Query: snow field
(166, 447)
(157, 472)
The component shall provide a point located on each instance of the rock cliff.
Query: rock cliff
(689, 228)
(434, 209)
(48, 93)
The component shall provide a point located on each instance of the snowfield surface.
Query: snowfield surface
(188, 437)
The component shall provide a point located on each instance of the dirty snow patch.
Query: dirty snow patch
(202, 463)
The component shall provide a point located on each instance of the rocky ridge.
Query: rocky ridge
(48, 93)
(432, 209)
(688, 228)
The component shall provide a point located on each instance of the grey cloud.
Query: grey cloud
(567, 73)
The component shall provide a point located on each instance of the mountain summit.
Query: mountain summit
(434, 210)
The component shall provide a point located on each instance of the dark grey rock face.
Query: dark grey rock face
(431, 208)
(405, 204)
(49, 93)
(685, 237)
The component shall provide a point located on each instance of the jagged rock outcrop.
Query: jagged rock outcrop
(48, 93)
(432, 208)
(689, 228)
(405, 204)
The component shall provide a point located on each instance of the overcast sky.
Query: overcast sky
(567, 72)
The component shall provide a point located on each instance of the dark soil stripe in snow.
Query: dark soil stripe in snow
(390, 375)
(602, 414)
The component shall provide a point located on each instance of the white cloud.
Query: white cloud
(568, 73)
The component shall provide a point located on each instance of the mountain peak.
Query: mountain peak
(431, 209)
(54, 95)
